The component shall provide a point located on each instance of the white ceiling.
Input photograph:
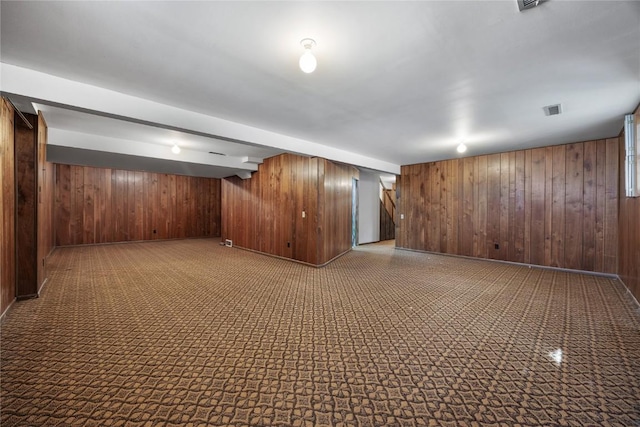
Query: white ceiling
(397, 82)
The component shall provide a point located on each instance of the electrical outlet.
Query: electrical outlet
(288, 244)
(304, 214)
(497, 245)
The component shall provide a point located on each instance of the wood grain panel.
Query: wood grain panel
(45, 190)
(34, 201)
(534, 204)
(7, 208)
(387, 226)
(336, 206)
(100, 205)
(611, 201)
(574, 197)
(628, 227)
(264, 213)
(558, 205)
(520, 211)
(26, 206)
(493, 207)
(467, 197)
(537, 207)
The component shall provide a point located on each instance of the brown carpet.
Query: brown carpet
(191, 333)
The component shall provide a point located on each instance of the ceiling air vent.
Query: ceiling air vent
(552, 110)
(528, 4)
(217, 154)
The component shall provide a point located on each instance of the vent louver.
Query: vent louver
(552, 110)
(528, 4)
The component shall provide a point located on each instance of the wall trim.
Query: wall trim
(136, 241)
(633, 297)
(291, 259)
(6, 310)
(519, 264)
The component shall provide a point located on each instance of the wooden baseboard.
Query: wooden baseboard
(291, 259)
(521, 264)
(6, 310)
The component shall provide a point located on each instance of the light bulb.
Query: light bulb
(462, 148)
(175, 149)
(308, 62)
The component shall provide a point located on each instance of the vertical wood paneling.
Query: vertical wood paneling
(34, 215)
(313, 213)
(264, 213)
(611, 206)
(467, 197)
(482, 198)
(493, 206)
(520, 214)
(63, 200)
(7, 208)
(46, 199)
(336, 204)
(628, 226)
(574, 185)
(535, 204)
(558, 206)
(505, 206)
(589, 206)
(537, 207)
(99, 205)
(548, 204)
(527, 205)
(26, 207)
(78, 207)
(601, 156)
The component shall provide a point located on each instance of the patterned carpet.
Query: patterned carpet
(191, 333)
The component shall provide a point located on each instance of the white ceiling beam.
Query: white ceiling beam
(85, 141)
(49, 89)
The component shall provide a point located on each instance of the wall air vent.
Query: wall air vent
(552, 110)
(528, 4)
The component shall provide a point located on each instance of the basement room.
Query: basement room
(312, 213)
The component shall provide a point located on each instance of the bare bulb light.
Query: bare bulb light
(308, 62)
(461, 148)
(175, 149)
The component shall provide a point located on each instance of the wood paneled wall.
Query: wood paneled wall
(99, 205)
(264, 213)
(7, 208)
(335, 204)
(552, 206)
(629, 230)
(46, 231)
(34, 226)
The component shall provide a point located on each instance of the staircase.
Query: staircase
(387, 214)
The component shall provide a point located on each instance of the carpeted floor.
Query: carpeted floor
(191, 333)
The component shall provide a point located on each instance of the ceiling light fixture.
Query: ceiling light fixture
(308, 62)
(175, 149)
(461, 148)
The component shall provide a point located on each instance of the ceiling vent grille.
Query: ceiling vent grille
(528, 4)
(552, 110)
